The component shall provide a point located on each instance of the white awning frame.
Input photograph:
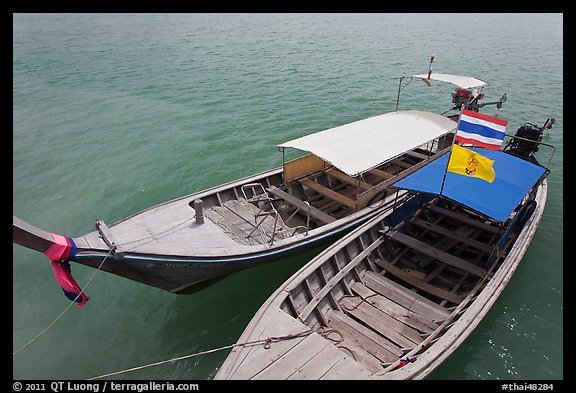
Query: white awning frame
(465, 82)
(360, 146)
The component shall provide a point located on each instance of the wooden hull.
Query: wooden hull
(184, 275)
(375, 297)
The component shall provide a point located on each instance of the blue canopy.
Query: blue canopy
(514, 179)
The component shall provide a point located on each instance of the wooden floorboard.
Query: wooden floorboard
(251, 360)
(405, 297)
(380, 341)
(395, 331)
(380, 173)
(346, 369)
(393, 309)
(317, 366)
(294, 359)
(375, 344)
(352, 346)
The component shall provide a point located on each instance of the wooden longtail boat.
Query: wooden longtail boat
(187, 243)
(396, 296)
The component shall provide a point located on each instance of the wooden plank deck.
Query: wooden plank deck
(346, 369)
(296, 358)
(352, 345)
(415, 154)
(168, 229)
(395, 331)
(318, 366)
(400, 163)
(393, 309)
(412, 301)
(381, 347)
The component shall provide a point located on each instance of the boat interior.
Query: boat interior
(392, 286)
(307, 194)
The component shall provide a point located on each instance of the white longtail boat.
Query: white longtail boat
(187, 243)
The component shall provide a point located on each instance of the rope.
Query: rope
(155, 236)
(362, 300)
(67, 308)
(266, 341)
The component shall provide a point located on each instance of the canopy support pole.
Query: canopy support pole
(398, 97)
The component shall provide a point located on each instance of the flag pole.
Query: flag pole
(450, 153)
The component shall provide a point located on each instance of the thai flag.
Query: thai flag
(481, 130)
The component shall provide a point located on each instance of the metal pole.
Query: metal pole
(398, 97)
(450, 153)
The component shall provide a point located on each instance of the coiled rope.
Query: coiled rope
(68, 307)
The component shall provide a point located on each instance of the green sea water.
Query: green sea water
(113, 113)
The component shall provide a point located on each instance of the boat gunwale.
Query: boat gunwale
(284, 245)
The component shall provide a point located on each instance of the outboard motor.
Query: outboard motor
(524, 143)
(467, 98)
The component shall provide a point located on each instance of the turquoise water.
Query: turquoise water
(113, 113)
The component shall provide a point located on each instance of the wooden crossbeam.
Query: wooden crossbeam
(348, 179)
(329, 193)
(314, 212)
(418, 283)
(452, 234)
(440, 255)
(465, 219)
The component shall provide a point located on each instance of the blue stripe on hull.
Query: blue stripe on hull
(177, 275)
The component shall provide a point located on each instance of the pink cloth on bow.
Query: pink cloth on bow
(58, 249)
(57, 253)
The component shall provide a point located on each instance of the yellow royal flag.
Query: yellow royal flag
(469, 163)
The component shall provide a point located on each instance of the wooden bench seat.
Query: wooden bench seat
(348, 179)
(418, 283)
(329, 193)
(466, 220)
(380, 173)
(291, 199)
(451, 234)
(437, 254)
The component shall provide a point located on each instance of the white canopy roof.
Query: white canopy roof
(362, 145)
(465, 82)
